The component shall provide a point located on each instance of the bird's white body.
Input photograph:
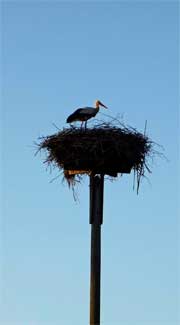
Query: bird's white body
(85, 113)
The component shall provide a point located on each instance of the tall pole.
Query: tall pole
(96, 220)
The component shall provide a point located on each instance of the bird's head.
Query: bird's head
(98, 103)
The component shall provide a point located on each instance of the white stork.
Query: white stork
(85, 113)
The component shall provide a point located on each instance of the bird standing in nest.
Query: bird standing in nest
(85, 113)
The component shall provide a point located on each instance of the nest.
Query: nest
(102, 149)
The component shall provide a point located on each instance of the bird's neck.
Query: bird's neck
(97, 107)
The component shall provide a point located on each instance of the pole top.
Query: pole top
(96, 199)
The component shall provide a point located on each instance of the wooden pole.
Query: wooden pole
(96, 220)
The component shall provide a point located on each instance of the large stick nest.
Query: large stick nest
(102, 149)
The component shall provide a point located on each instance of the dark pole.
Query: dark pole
(96, 220)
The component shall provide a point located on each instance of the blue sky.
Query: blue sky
(56, 57)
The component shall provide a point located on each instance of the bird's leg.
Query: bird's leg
(85, 125)
(81, 124)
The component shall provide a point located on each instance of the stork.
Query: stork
(85, 113)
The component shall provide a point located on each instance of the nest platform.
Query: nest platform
(103, 149)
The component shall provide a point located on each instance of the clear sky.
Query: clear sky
(56, 57)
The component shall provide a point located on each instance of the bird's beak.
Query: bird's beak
(102, 105)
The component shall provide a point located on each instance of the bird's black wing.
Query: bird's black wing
(72, 117)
